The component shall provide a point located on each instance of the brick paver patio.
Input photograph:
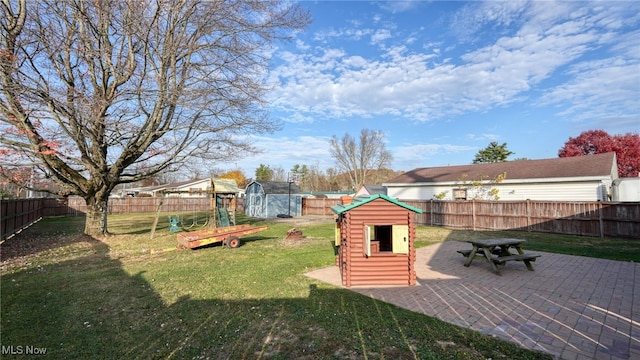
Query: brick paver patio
(572, 307)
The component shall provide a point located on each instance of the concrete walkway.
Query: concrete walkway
(572, 307)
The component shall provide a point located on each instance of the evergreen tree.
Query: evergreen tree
(264, 173)
(493, 153)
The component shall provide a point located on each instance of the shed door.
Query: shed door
(255, 205)
(401, 239)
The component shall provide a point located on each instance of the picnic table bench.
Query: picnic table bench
(497, 252)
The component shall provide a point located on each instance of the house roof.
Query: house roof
(152, 188)
(223, 186)
(374, 189)
(277, 187)
(361, 200)
(181, 184)
(599, 165)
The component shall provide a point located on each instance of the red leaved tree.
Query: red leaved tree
(626, 147)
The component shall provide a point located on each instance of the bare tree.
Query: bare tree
(278, 174)
(357, 159)
(99, 93)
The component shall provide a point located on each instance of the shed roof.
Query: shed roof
(361, 200)
(278, 187)
(578, 166)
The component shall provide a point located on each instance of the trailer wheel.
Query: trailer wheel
(233, 242)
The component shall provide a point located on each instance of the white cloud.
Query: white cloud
(482, 137)
(600, 89)
(412, 156)
(342, 34)
(380, 35)
(542, 39)
(470, 19)
(604, 91)
(285, 152)
(397, 6)
(298, 118)
(301, 45)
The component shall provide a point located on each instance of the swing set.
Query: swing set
(177, 223)
(221, 223)
(222, 194)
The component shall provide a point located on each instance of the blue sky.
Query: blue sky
(443, 79)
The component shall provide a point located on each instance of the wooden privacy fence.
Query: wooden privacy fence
(573, 218)
(603, 219)
(318, 206)
(18, 214)
(130, 205)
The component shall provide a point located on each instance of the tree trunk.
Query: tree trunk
(96, 222)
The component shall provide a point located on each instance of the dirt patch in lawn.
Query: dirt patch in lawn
(304, 220)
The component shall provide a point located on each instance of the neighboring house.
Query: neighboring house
(580, 178)
(126, 190)
(366, 190)
(203, 188)
(192, 188)
(326, 194)
(268, 199)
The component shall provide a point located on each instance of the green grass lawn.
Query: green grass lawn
(81, 298)
(607, 248)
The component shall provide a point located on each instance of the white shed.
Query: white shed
(580, 178)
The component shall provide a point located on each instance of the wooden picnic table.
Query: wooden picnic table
(497, 252)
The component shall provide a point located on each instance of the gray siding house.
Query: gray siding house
(268, 199)
(580, 178)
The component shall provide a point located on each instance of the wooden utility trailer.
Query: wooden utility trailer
(229, 236)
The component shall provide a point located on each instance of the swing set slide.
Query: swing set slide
(229, 236)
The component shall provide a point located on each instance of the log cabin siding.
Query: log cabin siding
(380, 268)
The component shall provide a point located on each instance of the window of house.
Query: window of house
(386, 239)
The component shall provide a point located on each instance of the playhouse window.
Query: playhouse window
(386, 238)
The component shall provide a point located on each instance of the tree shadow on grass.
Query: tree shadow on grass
(45, 235)
(91, 306)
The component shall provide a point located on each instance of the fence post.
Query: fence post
(528, 214)
(431, 212)
(600, 220)
(473, 214)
